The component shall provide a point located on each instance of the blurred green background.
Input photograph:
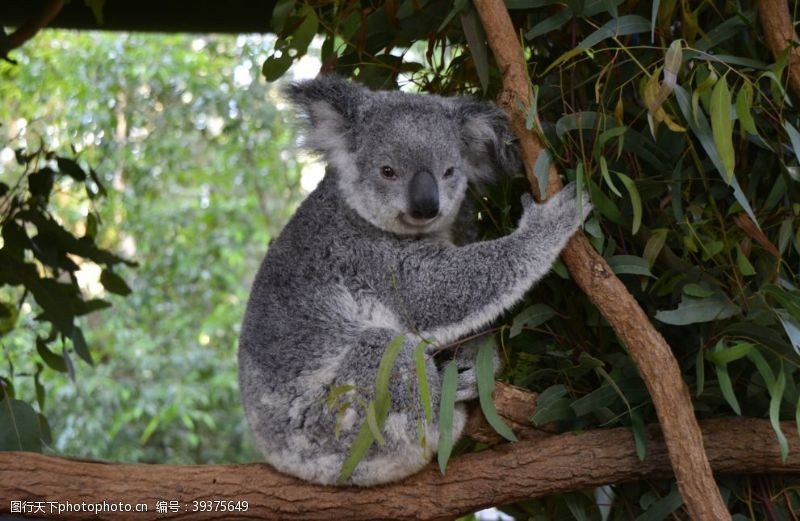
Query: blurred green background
(198, 156)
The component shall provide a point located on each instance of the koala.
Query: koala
(368, 256)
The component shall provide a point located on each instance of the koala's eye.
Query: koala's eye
(388, 172)
(449, 172)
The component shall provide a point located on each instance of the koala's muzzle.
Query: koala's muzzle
(423, 196)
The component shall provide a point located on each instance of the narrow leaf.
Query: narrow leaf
(422, 382)
(722, 124)
(726, 387)
(693, 310)
(636, 201)
(629, 265)
(372, 422)
(541, 169)
(447, 404)
(485, 373)
(776, 396)
(744, 108)
(532, 316)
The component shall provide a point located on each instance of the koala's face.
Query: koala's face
(408, 177)
(403, 161)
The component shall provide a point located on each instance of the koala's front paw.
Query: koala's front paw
(564, 211)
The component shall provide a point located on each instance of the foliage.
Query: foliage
(38, 265)
(676, 119)
(195, 158)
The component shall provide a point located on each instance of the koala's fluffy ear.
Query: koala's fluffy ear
(490, 146)
(330, 106)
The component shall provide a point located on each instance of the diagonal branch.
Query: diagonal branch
(647, 347)
(779, 33)
(510, 473)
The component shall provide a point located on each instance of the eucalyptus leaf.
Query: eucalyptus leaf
(693, 310)
(484, 370)
(447, 404)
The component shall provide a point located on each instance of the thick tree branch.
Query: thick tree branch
(647, 347)
(510, 473)
(779, 33)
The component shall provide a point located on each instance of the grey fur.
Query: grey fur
(352, 270)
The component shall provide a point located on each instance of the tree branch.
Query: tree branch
(652, 354)
(779, 33)
(506, 474)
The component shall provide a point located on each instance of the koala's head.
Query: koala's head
(403, 161)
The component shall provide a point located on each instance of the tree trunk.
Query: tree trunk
(647, 347)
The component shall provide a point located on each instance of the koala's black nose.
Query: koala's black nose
(423, 196)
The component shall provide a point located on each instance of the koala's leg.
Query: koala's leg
(451, 291)
(410, 443)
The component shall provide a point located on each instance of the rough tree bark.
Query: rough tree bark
(510, 473)
(779, 32)
(652, 354)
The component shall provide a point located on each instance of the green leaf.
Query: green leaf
(629, 265)
(693, 310)
(763, 367)
(697, 290)
(552, 405)
(636, 201)
(607, 178)
(447, 404)
(71, 168)
(791, 326)
(622, 26)
(794, 137)
(745, 268)
(541, 169)
(114, 283)
(550, 24)
(725, 356)
(372, 423)
(654, 245)
(381, 405)
(700, 372)
(53, 360)
(280, 13)
(744, 108)
(79, 343)
(726, 387)
(336, 392)
(662, 508)
(274, 67)
(722, 124)
(776, 396)
(422, 381)
(532, 316)
(484, 370)
(476, 41)
(601, 397)
(702, 131)
(19, 426)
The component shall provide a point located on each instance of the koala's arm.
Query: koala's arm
(449, 292)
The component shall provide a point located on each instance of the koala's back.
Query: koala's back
(321, 284)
